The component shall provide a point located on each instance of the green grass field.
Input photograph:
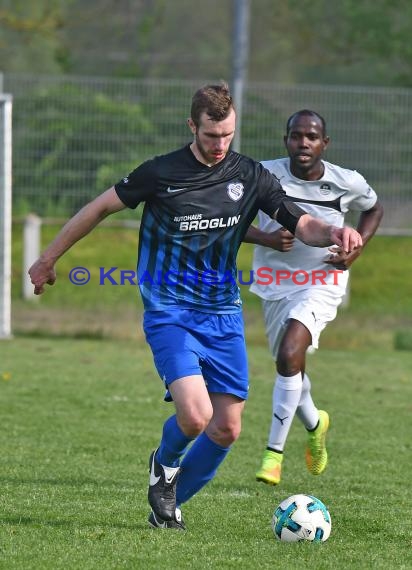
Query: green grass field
(81, 409)
(80, 417)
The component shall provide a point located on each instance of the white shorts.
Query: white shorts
(313, 308)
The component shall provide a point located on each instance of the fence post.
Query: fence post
(31, 251)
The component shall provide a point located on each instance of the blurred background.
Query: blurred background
(356, 42)
(100, 86)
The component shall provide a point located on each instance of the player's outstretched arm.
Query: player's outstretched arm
(313, 231)
(42, 271)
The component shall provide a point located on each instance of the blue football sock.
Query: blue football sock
(198, 467)
(173, 444)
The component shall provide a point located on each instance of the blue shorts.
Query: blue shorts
(185, 342)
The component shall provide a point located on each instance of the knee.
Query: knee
(194, 421)
(290, 359)
(224, 434)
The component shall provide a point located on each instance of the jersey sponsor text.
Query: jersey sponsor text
(213, 223)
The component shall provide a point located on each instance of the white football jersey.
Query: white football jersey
(276, 273)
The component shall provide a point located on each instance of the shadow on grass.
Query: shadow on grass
(72, 482)
(76, 335)
(94, 526)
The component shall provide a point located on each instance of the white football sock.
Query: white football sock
(306, 410)
(286, 396)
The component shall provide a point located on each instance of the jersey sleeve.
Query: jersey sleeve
(138, 186)
(270, 192)
(361, 196)
(273, 199)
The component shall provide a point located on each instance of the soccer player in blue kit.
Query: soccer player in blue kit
(199, 203)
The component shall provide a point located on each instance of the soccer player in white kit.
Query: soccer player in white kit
(301, 287)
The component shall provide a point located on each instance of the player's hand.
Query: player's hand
(340, 259)
(281, 240)
(42, 273)
(346, 238)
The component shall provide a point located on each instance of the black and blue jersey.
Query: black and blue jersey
(193, 223)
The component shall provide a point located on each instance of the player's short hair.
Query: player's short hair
(309, 113)
(215, 100)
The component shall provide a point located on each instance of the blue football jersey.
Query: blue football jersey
(194, 220)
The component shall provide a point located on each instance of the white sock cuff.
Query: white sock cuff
(306, 382)
(289, 382)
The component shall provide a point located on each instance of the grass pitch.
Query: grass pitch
(80, 417)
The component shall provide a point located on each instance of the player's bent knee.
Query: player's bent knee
(192, 424)
(290, 360)
(224, 435)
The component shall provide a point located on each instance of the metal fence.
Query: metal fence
(75, 136)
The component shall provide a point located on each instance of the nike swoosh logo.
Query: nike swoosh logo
(170, 479)
(153, 479)
(170, 474)
(171, 190)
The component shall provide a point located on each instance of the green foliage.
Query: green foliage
(60, 157)
(310, 41)
(73, 137)
(349, 42)
(30, 35)
(80, 418)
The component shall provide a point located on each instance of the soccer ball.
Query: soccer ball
(301, 517)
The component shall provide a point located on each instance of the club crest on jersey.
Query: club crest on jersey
(325, 189)
(235, 191)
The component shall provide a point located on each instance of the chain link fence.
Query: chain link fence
(75, 136)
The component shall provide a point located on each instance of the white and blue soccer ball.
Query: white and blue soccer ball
(301, 517)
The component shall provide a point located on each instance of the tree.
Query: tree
(30, 35)
(318, 41)
(293, 41)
